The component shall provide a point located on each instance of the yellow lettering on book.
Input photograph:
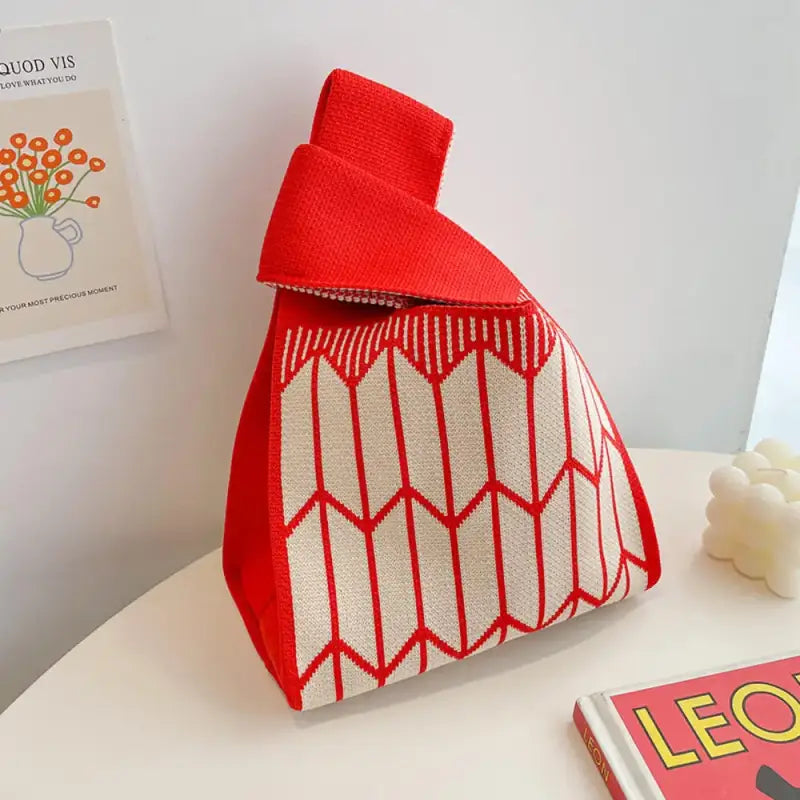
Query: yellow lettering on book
(670, 759)
(740, 696)
(596, 753)
(702, 725)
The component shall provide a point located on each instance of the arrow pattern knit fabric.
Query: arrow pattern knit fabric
(428, 470)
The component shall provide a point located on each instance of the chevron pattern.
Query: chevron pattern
(451, 480)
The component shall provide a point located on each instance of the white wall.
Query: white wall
(635, 162)
(777, 409)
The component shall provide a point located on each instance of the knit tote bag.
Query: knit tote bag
(424, 467)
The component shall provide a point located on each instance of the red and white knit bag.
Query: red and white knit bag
(425, 470)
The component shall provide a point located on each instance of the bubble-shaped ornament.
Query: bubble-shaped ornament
(728, 483)
(750, 463)
(789, 485)
(763, 503)
(778, 452)
(790, 534)
(718, 543)
(751, 562)
(783, 580)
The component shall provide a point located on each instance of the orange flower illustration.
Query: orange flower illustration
(51, 159)
(38, 175)
(26, 162)
(63, 136)
(19, 200)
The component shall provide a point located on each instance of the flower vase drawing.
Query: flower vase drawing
(45, 247)
(37, 180)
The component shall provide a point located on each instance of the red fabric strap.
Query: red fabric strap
(386, 133)
(355, 211)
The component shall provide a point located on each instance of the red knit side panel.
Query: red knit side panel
(246, 537)
(254, 554)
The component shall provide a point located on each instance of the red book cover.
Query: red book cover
(732, 734)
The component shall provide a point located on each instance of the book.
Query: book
(732, 733)
(77, 262)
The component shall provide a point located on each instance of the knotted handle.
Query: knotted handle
(355, 214)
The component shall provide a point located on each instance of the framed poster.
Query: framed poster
(77, 263)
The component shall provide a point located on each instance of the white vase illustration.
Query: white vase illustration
(45, 247)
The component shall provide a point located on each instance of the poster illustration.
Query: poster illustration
(77, 263)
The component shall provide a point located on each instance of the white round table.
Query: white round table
(168, 698)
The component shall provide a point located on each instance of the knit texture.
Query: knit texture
(412, 483)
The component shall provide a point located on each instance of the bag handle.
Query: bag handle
(354, 218)
(386, 133)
